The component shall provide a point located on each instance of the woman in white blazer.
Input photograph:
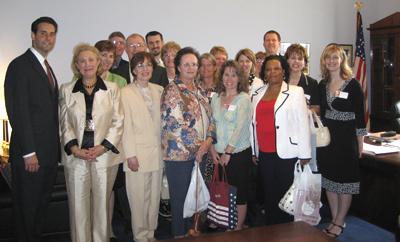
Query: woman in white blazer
(280, 134)
(142, 145)
(91, 121)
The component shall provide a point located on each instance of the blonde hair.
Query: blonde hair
(171, 45)
(211, 58)
(79, 49)
(219, 50)
(345, 70)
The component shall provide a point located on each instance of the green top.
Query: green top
(111, 77)
(119, 80)
(232, 123)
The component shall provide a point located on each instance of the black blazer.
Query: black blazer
(159, 76)
(32, 108)
(123, 70)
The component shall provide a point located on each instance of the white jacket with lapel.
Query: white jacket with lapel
(291, 122)
(107, 116)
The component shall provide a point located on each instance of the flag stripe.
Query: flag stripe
(359, 68)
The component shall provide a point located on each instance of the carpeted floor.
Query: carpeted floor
(356, 230)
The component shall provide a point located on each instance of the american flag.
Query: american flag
(360, 65)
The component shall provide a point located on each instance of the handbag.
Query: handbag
(222, 210)
(286, 204)
(321, 131)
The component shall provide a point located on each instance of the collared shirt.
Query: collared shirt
(40, 58)
(159, 61)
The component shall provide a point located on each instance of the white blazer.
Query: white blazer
(142, 129)
(107, 116)
(291, 122)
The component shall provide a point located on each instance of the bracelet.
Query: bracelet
(228, 153)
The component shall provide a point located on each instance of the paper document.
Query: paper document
(382, 149)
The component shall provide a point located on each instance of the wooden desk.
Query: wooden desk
(379, 198)
(296, 232)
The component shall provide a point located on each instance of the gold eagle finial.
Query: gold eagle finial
(358, 5)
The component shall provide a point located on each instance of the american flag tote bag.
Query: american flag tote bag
(222, 210)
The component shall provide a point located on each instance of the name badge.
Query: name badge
(232, 108)
(211, 94)
(343, 95)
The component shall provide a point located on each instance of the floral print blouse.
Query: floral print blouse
(183, 122)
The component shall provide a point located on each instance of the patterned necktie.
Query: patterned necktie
(49, 74)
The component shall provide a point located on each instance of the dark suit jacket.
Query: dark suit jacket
(32, 108)
(159, 76)
(123, 70)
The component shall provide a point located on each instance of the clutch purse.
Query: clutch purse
(321, 131)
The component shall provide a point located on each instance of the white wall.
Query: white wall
(201, 24)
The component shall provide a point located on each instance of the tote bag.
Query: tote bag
(222, 210)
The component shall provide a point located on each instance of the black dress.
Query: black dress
(343, 114)
(310, 87)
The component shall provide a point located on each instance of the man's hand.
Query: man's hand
(31, 163)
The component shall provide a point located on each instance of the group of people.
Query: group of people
(162, 111)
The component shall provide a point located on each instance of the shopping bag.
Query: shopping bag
(308, 197)
(164, 186)
(197, 196)
(222, 210)
(286, 204)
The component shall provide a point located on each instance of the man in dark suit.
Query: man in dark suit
(134, 44)
(121, 66)
(31, 96)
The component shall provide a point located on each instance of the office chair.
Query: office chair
(396, 117)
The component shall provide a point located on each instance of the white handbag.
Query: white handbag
(321, 131)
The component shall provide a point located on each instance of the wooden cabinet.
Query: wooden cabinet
(385, 70)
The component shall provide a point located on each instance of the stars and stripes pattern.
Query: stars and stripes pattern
(222, 210)
(360, 64)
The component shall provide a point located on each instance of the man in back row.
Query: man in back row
(134, 44)
(155, 42)
(120, 66)
(272, 42)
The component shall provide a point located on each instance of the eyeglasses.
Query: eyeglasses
(187, 65)
(135, 46)
(142, 66)
(170, 55)
(118, 42)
